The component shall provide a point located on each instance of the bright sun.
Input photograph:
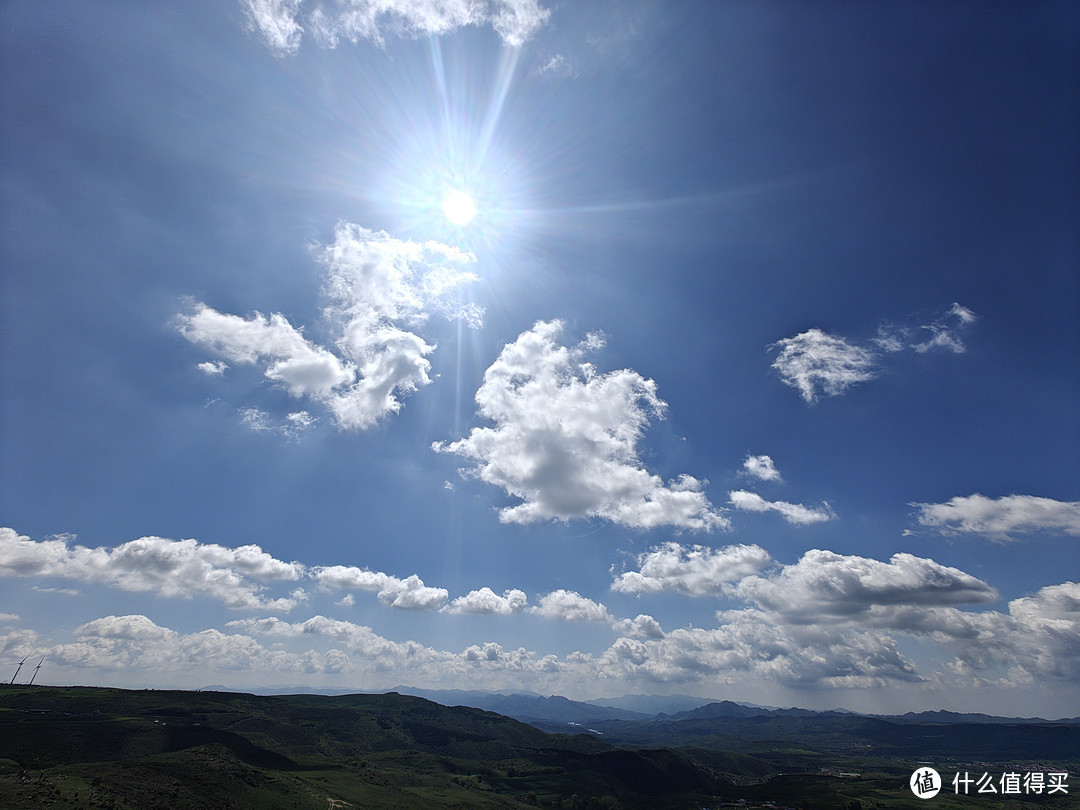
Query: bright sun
(458, 207)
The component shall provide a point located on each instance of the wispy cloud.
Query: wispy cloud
(380, 291)
(565, 439)
(293, 426)
(818, 364)
(278, 22)
(946, 332)
(791, 512)
(1000, 518)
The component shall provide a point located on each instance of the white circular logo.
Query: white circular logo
(925, 783)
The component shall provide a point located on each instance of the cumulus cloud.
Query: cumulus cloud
(486, 600)
(816, 363)
(380, 289)
(565, 439)
(278, 22)
(135, 642)
(692, 570)
(792, 512)
(761, 467)
(641, 626)
(408, 594)
(826, 584)
(749, 644)
(290, 359)
(187, 568)
(1000, 518)
(572, 607)
(171, 568)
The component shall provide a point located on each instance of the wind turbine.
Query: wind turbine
(39, 663)
(16, 675)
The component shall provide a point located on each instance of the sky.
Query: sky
(752, 375)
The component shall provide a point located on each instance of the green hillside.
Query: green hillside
(116, 749)
(91, 747)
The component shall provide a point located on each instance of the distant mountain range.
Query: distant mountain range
(529, 707)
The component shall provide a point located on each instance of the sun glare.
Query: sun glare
(458, 207)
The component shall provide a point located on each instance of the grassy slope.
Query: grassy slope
(111, 748)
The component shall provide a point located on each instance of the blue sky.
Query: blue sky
(752, 377)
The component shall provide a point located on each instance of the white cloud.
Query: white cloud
(124, 643)
(486, 600)
(749, 645)
(792, 512)
(9, 618)
(640, 627)
(816, 363)
(278, 21)
(1039, 637)
(1002, 517)
(572, 607)
(761, 467)
(409, 594)
(565, 439)
(171, 568)
(947, 331)
(275, 21)
(378, 288)
(305, 369)
(693, 570)
(213, 369)
(825, 584)
(293, 426)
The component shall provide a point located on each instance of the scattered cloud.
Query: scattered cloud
(792, 512)
(409, 594)
(692, 570)
(486, 600)
(825, 584)
(761, 467)
(947, 332)
(828, 620)
(379, 288)
(213, 369)
(293, 426)
(640, 627)
(819, 364)
(61, 591)
(565, 439)
(572, 607)
(1000, 518)
(275, 21)
(278, 22)
(171, 568)
(816, 364)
